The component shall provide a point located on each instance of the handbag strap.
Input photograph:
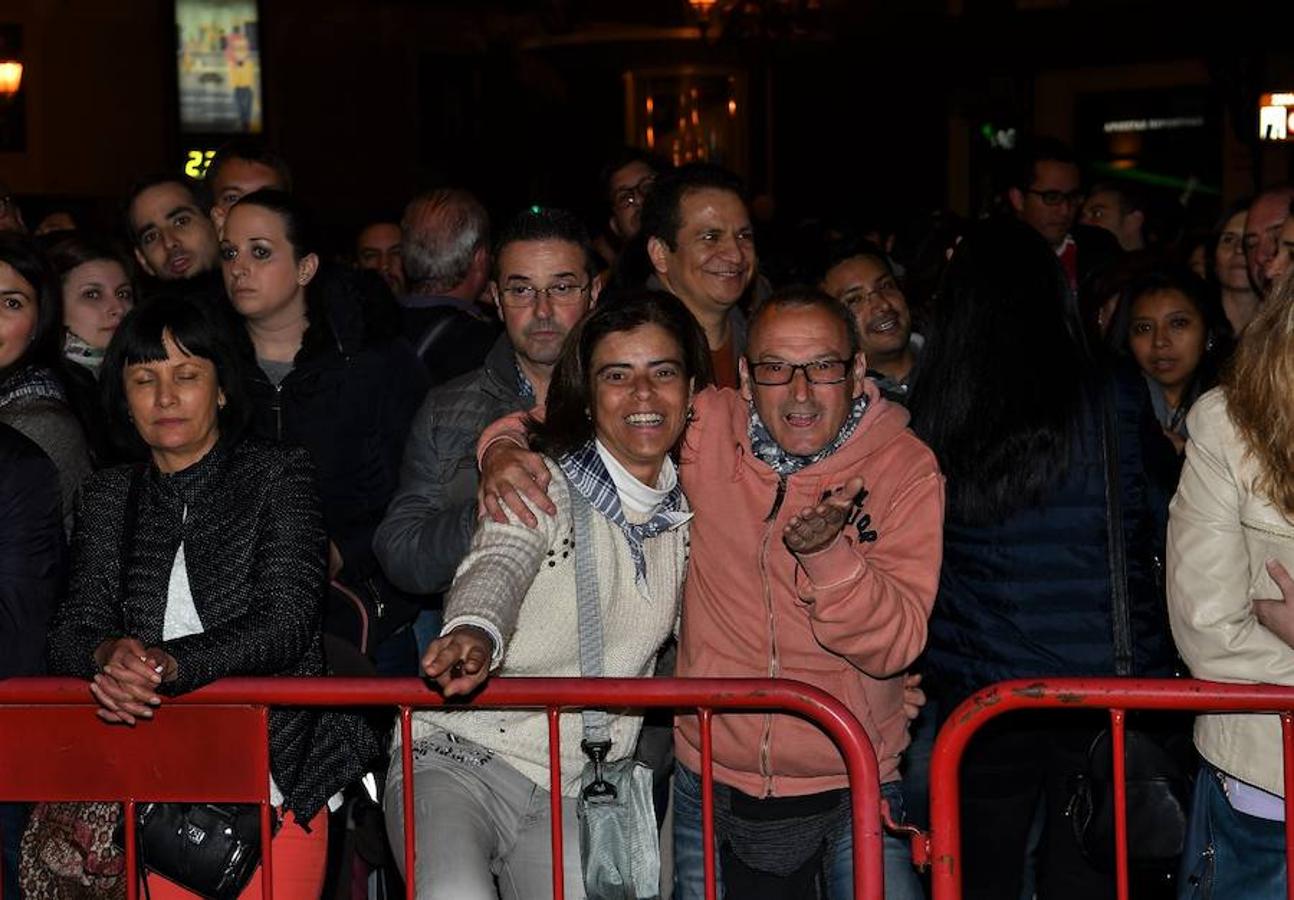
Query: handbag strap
(1120, 614)
(597, 730)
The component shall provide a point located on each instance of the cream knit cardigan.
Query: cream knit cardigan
(522, 581)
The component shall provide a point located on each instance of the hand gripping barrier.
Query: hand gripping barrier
(212, 745)
(1118, 695)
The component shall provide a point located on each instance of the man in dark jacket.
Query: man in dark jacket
(543, 283)
(446, 254)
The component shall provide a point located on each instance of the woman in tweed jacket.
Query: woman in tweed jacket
(208, 562)
(617, 404)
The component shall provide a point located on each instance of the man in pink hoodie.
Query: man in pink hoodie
(815, 555)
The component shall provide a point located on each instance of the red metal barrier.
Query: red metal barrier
(1118, 695)
(52, 746)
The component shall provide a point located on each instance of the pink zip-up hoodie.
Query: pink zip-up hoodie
(849, 618)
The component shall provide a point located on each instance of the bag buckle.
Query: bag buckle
(599, 788)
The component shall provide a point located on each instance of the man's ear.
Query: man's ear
(1016, 198)
(143, 262)
(307, 268)
(595, 289)
(492, 291)
(860, 374)
(658, 253)
(614, 227)
(743, 374)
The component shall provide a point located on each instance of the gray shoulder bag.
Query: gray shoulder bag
(619, 844)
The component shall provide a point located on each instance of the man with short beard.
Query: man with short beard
(860, 277)
(173, 238)
(543, 282)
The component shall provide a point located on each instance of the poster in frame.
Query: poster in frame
(219, 67)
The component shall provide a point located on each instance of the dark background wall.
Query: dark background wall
(851, 104)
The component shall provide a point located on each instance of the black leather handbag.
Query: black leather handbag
(210, 849)
(1159, 762)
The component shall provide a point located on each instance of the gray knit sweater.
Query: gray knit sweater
(522, 581)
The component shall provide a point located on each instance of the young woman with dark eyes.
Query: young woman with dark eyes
(323, 375)
(98, 291)
(1170, 323)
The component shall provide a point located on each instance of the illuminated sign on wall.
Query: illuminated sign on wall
(219, 66)
(1276, 117)
(196, 162)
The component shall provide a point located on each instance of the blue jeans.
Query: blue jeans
(1229, 853)
(689, 863)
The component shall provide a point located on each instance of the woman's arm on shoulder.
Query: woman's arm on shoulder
(289, 575)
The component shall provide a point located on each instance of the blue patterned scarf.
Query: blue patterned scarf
(588, 475)
(783, 463)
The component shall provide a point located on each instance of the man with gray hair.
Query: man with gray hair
(446, 256)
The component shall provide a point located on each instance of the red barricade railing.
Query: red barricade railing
(1118, 695)
(212, 745)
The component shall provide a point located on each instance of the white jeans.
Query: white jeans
(478, 822)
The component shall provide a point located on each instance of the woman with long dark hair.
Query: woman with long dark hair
(33, 398)
(1171, 324)
(1031, 437)
(98, 291)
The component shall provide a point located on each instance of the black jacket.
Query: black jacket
(33, 554)
(1030, 597)
(254, 555)
(349, 401)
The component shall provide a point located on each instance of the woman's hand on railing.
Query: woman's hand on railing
(129, 672)
(460, 661)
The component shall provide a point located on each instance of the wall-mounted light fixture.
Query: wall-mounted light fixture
(10, 78)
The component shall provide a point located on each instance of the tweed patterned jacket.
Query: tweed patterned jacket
(254, 553)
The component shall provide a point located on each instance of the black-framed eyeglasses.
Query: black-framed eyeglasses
(820, 371)
(633, 194)
(1056, 198)
(519, 296)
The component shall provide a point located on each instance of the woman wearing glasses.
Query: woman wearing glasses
(324, 376)
(618, 402)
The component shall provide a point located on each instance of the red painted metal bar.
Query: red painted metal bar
(705, 719)
(729, 694)
(1287, 744)
(406, 798)
(1075, 693)
(555, 800)
(262, 757)
(132, 856)
(1118, 745)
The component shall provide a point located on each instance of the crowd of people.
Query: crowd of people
(1049, 443)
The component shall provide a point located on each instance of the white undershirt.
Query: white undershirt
(181, 619)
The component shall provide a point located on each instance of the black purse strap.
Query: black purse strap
(1117, 551)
